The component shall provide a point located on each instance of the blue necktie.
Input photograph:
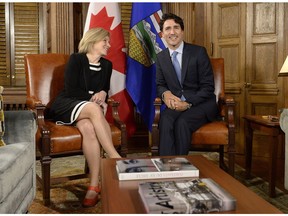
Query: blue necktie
(176, 65)
(177, 69)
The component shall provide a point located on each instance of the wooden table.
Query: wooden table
(271, 128)
(121, 197)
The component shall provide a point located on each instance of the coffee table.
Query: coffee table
(121, 197)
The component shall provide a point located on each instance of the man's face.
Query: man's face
(172, 33)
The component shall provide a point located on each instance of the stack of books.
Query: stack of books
(155, 168)
(181, 196)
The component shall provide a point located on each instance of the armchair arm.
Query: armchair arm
(38, 108)
(119, 124)
(32, 102)
(227, 105)
(155, 130)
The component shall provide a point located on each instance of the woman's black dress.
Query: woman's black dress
(82, 80)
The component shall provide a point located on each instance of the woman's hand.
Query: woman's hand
(99, 97)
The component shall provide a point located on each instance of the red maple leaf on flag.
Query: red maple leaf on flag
(117, 56)
(116, 53)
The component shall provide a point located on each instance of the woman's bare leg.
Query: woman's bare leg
(91, 150)
(94, 113)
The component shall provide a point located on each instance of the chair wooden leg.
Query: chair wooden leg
(221, 156)
(222, 164)
(231, 162)
(45, 166)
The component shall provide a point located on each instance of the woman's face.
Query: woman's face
(101, 48)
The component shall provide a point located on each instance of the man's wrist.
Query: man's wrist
(163, 95)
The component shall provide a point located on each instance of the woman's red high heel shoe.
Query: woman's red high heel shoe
(92, 202)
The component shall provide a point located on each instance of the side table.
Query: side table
(271, 128)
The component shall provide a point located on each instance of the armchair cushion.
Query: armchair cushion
(72, 139)
(17, 162)
(206, 134)
(14, 162)
(71, 133)
(2, 127)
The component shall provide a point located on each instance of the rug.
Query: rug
(66, 197)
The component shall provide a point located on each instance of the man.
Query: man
(189, 96)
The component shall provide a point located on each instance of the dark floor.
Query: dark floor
(139, 143)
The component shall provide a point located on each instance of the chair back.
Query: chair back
(218, 70)
(44, 75)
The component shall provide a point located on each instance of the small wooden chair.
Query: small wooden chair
(218, 133)
(44, 80)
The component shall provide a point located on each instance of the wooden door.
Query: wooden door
(249, 36)
(264, 58)
(228, 41)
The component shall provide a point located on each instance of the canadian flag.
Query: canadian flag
(107, 16)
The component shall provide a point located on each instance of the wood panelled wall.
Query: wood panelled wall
(60, 28)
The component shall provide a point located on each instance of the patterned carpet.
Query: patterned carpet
(66, 198)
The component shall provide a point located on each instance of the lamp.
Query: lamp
(284, 69)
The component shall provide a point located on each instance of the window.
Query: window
(19, 34)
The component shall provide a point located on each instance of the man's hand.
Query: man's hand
(173, 102)
(170, 99)
(181, 106)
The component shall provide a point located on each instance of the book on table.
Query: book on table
(155, 168)
(199, 195)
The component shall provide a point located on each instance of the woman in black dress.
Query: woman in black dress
(83, 102)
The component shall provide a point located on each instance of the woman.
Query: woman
(82, 103)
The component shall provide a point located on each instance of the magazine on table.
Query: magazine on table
(155, 168)
(199, 195)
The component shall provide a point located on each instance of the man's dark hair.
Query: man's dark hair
(170, 16)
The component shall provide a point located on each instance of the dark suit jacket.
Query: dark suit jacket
(197, 78)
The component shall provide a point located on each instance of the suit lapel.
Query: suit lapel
(185, 59)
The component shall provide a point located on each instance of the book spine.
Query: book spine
(158, 175)
(228, 202)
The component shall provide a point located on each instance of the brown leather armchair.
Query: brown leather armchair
(218, 133)
(44, 80)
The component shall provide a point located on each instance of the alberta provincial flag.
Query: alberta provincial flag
(145, 43)
(107, 16)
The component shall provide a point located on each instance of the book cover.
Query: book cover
(155, 168)
(185, 197)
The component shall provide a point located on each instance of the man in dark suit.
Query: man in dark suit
(185, 81)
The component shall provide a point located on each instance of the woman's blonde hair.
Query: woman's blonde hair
(91, 37)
